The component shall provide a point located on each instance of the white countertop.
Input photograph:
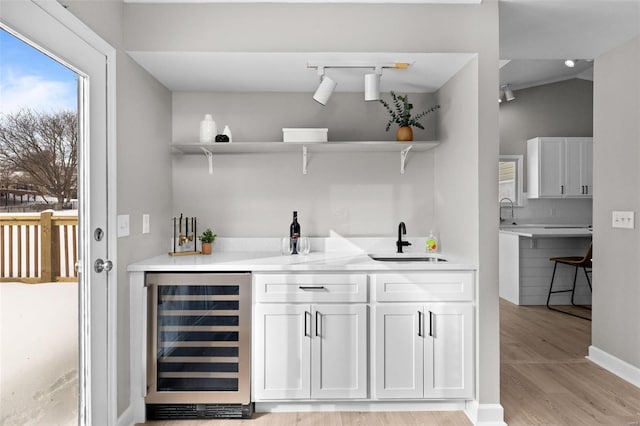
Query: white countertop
(274, 261)
(554, 231)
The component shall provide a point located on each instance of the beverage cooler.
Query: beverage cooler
(199, 345)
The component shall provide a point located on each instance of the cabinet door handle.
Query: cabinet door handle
(420, 324)
(562, 189)
(586, 189)
(318, 319)
(305, 324)
(311, 287)
(430, 324)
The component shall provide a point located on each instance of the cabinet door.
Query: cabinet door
(551, 167)
(587, 166)
(574, 186)
(283, 351)
(339, 351)
(579, 167)
(399, 351)
(448, 351)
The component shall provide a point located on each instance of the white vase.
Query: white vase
(227, 132)
(208, 129)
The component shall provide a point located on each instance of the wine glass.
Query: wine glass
(285, 246)
(304, 245)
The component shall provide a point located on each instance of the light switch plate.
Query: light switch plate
(146, 224)
(123, 225)
(621, 219)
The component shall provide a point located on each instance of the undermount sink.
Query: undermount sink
(406, 257)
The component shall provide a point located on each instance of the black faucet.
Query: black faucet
(402, 229)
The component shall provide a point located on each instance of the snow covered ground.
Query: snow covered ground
(38, 354)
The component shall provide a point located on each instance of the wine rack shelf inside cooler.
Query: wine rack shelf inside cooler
(201, 336)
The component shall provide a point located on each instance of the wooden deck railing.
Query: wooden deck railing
(38, 248)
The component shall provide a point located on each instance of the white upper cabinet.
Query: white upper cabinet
(560, 167)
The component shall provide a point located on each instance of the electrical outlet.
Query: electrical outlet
(622, 219)
(146, 224)
(123, 225)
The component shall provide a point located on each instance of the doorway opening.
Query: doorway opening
(39, 308)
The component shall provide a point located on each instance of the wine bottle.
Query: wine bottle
(294, 233)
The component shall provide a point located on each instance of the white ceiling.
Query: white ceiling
(538, 35)
(535, 36)
(288, 71)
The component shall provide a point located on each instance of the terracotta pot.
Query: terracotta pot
(404, 134)
(206, 248)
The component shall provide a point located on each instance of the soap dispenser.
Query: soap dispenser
(432, 242)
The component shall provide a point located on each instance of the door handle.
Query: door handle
(562, 189)
(586, 189)
(305, 324)
(430, 324)
(420, 324)
(311, 287)
(102, 265)
(318, 319)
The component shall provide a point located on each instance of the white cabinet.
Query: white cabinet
(339, 351)
(282, 368)
(424, 350)
(311, 351)
(579, 167)
(559, 167)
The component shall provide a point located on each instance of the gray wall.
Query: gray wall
(144, 166)
(558, 109)
(261, 116)
(353, 194)
(616, 291)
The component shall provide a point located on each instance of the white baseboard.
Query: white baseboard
(126, 419)
(485, 414)
(371, 406)
(615, 365)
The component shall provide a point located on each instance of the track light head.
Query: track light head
(508, 93)
(372, 87)
(324, 90)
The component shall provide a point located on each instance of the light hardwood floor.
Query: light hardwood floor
(545, 380)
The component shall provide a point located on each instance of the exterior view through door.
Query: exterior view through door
(52, 31)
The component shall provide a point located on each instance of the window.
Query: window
(510, 178)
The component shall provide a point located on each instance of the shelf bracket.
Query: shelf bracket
(209, 155)
(305, 159)
(403, 158)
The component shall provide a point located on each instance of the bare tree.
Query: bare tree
(43, 146)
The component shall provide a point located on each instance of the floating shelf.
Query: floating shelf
(306, 148)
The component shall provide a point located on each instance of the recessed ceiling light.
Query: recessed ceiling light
(570, 63)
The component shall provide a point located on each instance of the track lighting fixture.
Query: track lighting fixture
(570, 62)
(372, 85)
(325, 88)
(371, 80)
(507, 93)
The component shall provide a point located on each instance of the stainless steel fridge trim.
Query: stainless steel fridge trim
(243, 395)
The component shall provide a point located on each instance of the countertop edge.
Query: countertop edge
(319, 262)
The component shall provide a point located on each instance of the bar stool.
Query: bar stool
(578, 262)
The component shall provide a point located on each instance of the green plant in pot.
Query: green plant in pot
(207, 238)
(401, 115)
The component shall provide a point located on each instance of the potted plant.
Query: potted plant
(401, 115)
(207, 238)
